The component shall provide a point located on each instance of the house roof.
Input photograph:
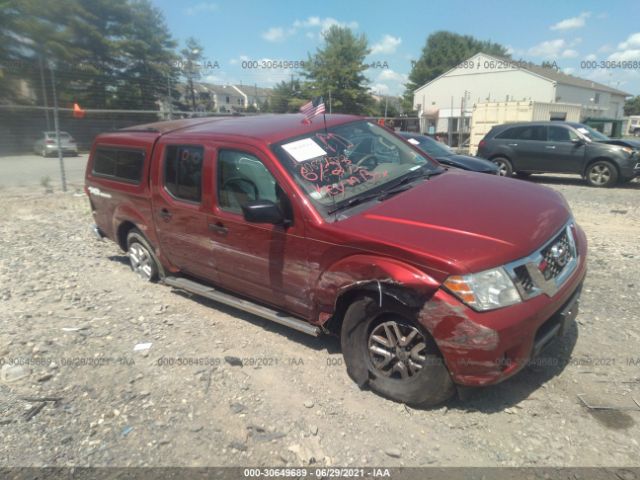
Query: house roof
(548, 73)
(255, 91)
(563, 78)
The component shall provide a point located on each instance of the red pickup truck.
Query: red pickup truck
(431, 277)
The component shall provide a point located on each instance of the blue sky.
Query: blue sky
(565, 32)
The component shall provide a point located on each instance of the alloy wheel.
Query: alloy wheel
(599, 174)
(503, 169)
(397, 350)
(141, 261)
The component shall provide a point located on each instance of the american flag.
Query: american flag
(313, 108)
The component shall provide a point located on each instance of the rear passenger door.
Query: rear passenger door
(181, 201)
(528, 144)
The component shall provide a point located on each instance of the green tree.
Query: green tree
(105, 53)
(287, 97)
(265, 107)
(150, 67)
(191, 60)
(632, 106)
(443, 51)
(338, 70)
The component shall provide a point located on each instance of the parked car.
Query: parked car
(431, 278)
(559, 147)
(448, 157)
(47, 144)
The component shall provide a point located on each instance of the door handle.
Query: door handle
(512, 144)
(165, 214)
(550, 147)
(219, 228)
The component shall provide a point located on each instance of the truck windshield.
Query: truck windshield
(335, 167)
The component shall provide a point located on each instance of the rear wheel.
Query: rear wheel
(385, 348)
(602, 174)
(504, 166)
(141, 257)
(523, 174)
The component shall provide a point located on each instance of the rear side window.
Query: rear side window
(183, 172)
(124, 165)
(529, 132)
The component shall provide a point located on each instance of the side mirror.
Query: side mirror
(577, 141)
(263, 211)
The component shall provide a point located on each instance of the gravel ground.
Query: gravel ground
(220, 387)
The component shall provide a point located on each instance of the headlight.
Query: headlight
(485, 290)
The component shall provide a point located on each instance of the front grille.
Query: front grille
(545, 270)
(556, 256)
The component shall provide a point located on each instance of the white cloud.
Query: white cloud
(199, 8)
(625, 55)
(274, 34)
(389, 82)
(388, 45)
(591, 57)
(632, 41)
(315, 28)
(568, 70)
(324, 23)
(569, 53)
(549, 48)
(380, 88)
(605, 48)
(571, 23)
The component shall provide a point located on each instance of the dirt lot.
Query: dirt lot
(219, 387)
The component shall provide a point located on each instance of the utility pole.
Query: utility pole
(329, 102)
(169, 99)
(44, 92)
(386, 104)
(56, 126)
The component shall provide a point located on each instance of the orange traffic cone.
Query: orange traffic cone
(77, 111)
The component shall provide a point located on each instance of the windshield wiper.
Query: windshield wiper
(393, 188)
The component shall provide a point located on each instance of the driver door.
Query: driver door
(263, 261)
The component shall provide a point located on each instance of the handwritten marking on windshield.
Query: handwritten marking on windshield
(326, 174)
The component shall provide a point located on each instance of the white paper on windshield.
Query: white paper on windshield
(304, 149)
(413, 141)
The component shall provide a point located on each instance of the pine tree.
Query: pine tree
(337, 70)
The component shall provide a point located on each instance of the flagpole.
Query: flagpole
(324, 116)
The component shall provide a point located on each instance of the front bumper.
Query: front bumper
(632, 170)
(484, 348)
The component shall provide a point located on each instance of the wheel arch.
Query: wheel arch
(601, 159)
(379, 277)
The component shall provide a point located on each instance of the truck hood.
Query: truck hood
(461, 222)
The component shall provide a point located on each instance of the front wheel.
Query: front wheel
(602, 174)
(504, 166)
(385, 348)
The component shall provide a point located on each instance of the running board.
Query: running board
(241, 304)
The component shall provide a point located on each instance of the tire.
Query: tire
(418, 377)
(523, 174)
(504, 166)
(141, 257)
(602, 173)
